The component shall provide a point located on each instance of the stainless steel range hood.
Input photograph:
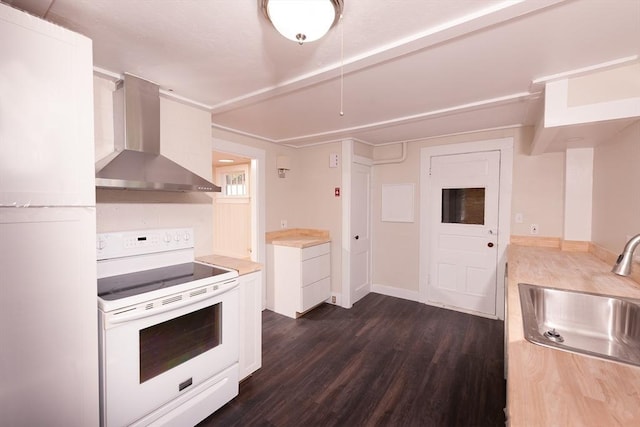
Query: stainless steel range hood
(137, 163)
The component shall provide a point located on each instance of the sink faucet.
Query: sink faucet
(622, 266)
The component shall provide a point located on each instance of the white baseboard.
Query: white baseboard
(396, 292)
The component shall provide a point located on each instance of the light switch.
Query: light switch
(333, 160)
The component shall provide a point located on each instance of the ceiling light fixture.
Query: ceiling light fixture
(225, 161)
(303, 21)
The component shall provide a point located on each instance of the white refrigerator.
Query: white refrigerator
(48, 312)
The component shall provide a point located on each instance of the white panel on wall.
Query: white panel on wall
(398, 202)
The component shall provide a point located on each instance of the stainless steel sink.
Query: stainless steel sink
(598, 325)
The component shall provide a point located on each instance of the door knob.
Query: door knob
(357, 237)
(490, 244)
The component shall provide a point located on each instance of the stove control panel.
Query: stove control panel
(140, 242)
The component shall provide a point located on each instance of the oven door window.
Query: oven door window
(171, 343)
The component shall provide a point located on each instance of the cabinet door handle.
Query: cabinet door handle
(357, 237)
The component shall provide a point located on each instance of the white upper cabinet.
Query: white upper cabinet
(46, 113)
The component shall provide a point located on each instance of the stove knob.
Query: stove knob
(167, 238)
(177, 237)
(187, 237)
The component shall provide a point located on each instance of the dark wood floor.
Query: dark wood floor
(385, 362)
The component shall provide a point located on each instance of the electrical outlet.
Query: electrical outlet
(533, 229)
(333, 299)
(283, 223)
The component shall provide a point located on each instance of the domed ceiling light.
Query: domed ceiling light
(303, 21)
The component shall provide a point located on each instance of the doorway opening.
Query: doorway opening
(236, 182)
(232, 206)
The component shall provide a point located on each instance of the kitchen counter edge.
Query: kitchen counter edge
(297, 237)
(242, 266)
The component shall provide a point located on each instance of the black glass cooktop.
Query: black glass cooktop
(127, 285)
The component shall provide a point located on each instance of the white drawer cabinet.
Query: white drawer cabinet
(300, 277)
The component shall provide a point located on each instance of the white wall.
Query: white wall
(537, 194)
(313, 204)
(578, 193)
(395, 245)
(305, 197)
(538, 190)
(616, 189)
(185, 137)
(278, 190)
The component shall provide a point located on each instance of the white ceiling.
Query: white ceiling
(236, 160)
(412, 69)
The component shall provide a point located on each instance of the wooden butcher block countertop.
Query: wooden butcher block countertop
(549, 387)
(297, 237)
(242, 266)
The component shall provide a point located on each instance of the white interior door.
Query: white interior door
(464, 229)
(360, 264)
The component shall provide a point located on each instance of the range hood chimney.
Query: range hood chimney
(137, 163)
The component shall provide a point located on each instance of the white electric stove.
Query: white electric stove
(168, 330)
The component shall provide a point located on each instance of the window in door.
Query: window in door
(463, 206)
(235, 184)
(234, 180)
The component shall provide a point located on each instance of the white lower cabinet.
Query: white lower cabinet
(301, 277)
(250, 323)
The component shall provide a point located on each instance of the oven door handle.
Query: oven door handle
(139, 312)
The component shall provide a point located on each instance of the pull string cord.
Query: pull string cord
(341, 66)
